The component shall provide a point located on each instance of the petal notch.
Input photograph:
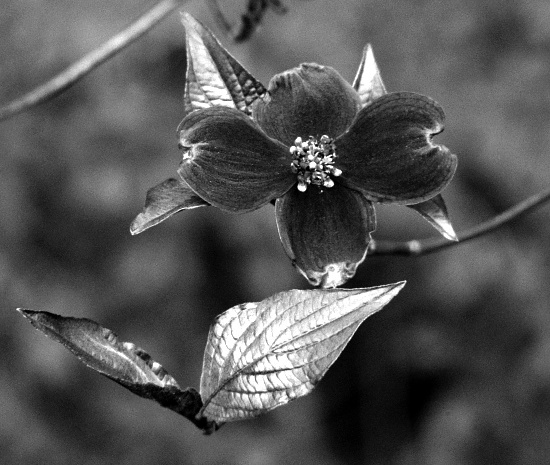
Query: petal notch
(388, 153)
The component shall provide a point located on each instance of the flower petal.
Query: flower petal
(388, 153)
(326, 234)
(164, 200)
(368, 82)
(311, 100)
(213, 76)
(435, 211)
(230, 162)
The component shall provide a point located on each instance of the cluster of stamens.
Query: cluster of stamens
(314, 162)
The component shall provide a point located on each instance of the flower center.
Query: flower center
(314, 162)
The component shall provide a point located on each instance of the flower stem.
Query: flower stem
(92, 60)
(421, 247)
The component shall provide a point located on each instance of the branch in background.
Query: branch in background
(92, 60)
(417, 247)
(250, 21)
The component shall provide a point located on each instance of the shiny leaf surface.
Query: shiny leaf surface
(262, 355)
(213, 76)
(99, 349)
(163, 201)
(368, 82)
(435, 212)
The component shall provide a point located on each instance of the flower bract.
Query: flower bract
(321, 149)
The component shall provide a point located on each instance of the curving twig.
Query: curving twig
(92, 60)
(250, 20)
(421, 247)
(157, 13)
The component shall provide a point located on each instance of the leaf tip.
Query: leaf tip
(435, 212)
(368, 53)
(33, 316)
(383, 294)
(399, 285)
(189, 21)
(446, 229)
(388, 291)
(451, 235)
(26, 312)
(368, 82)
(137, 225)
(186, 17)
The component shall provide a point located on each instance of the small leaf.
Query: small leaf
(435, 211)
(263, 355)
(99, 349)
(163, 201)
(368, 82)
(214, 77)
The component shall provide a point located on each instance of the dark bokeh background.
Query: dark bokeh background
(456, 370)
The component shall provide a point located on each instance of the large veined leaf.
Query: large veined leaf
(163, 201)
(99, 348)
(214, 77)
(258, 355)
(262, 355)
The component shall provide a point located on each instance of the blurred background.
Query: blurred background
(456, 370)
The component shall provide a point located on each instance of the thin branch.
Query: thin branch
(417, 247)
(92, 60)
(219, 17)
(250, 20)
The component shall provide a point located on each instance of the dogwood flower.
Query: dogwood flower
(321, 149)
